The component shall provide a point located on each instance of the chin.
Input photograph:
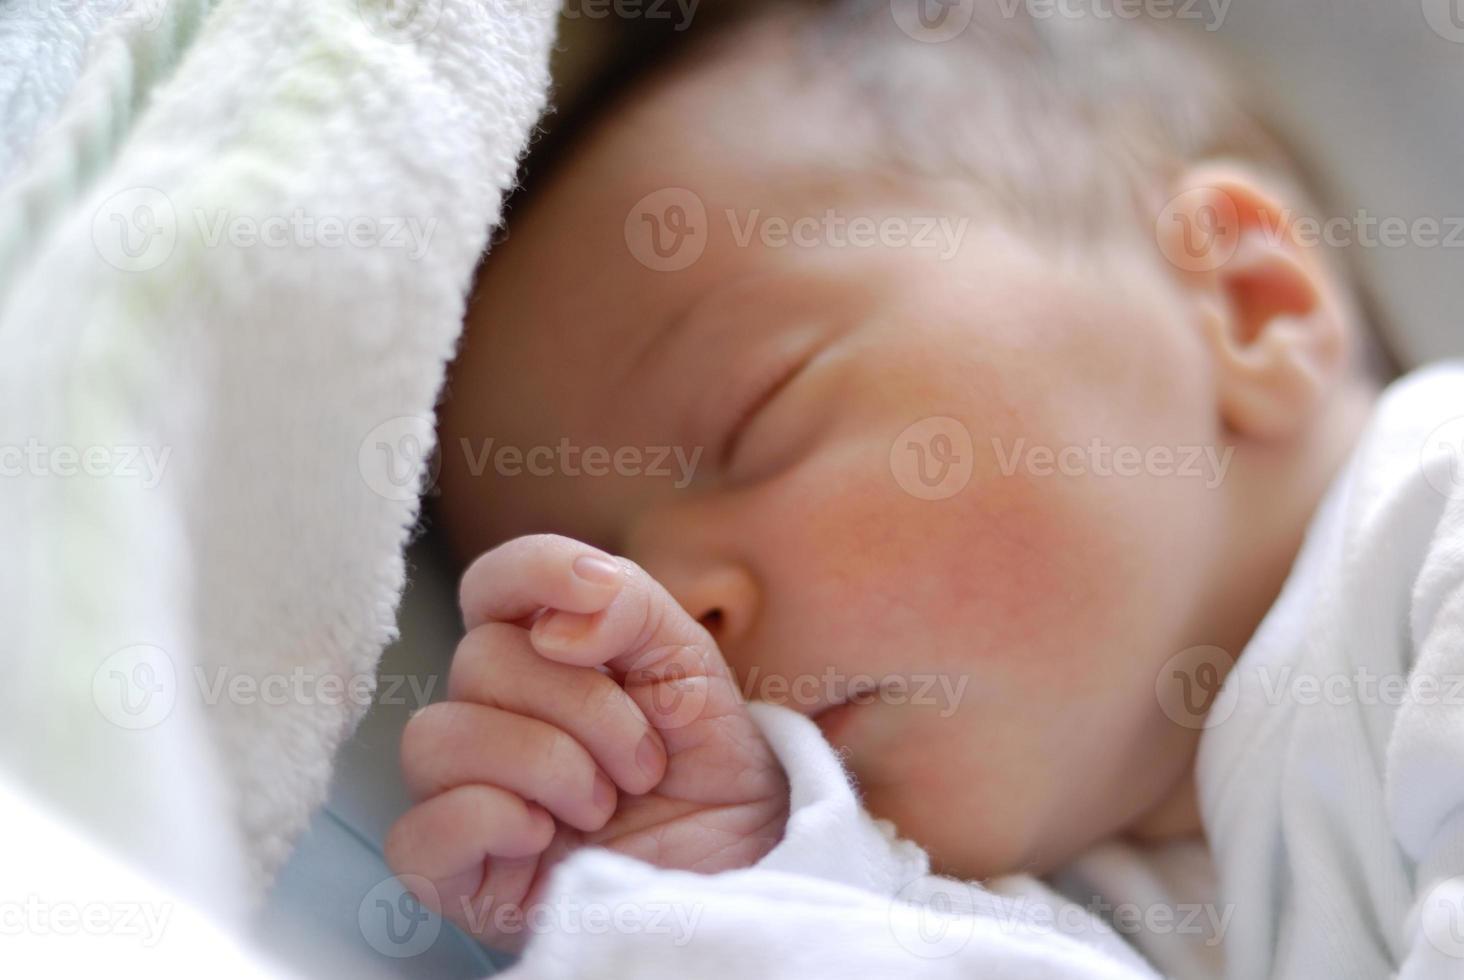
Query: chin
(960, 844)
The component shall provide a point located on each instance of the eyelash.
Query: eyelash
(763, 395)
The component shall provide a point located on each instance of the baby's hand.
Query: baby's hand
(585, 708)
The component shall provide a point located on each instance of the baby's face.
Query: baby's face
(1016, 618)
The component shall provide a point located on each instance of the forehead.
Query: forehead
(580, 287)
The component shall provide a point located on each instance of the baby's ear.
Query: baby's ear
(1264, 299)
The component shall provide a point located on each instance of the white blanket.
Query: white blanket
(840, 896)
(233, 262)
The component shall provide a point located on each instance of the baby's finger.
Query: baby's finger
(527, 574)
(447, 839)
(454, 744)
(624, 634)
(669, 663)
(496, 665)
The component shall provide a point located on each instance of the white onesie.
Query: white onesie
(1332, 770)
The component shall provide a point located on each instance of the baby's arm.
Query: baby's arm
(585, 707)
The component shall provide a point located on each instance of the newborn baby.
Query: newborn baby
(996, 502)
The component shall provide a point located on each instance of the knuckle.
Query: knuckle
(479, 658)
(425, 733)
(398, 847)
(599, 701)
(560, 759)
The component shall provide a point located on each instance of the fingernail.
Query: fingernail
(604, 792)
(597, 570)
(648, 755)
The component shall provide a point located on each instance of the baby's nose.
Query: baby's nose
(723, 597)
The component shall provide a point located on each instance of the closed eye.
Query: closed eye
(770, 385)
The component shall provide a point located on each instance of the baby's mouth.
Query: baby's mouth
(835, 720)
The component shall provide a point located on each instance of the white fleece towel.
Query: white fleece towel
(232, 268)
(42, 47)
